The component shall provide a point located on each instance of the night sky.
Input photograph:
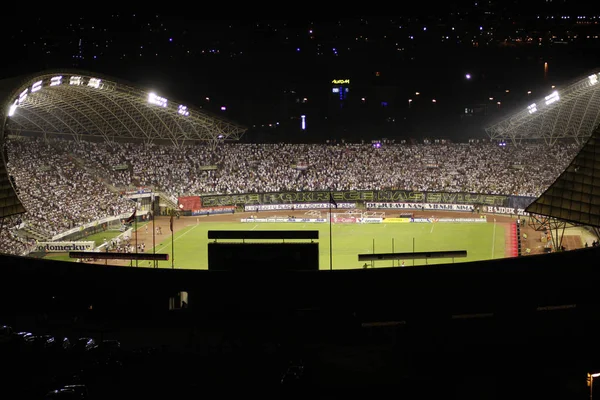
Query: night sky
(269, 72)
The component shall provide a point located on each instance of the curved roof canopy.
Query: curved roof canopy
(573, 112)
(575, 195)
(89, 106)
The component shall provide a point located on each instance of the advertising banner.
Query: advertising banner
(504, 210)
(342, 220)
(284, 220)
(64, 247)
(299, 206)
(352, 196)
(213, 211)
(467, 220)
(421, 206)
(396, 220)
(370, 220)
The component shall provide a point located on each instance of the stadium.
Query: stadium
(179, 229)
(100, 172)
(132, 149)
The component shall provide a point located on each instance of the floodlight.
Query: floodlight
(552, 98)
(76, 80)
(183, 110)
(36, 86)
(23, 95)
(56, 80)
(157, 100)
(94, 82)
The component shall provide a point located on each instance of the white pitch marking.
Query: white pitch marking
(255, 226)
(177, 238)
(432, 226)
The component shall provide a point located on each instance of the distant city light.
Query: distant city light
(468, 76)
(303, 122)
(223, 108)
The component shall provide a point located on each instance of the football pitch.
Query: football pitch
(482, 241)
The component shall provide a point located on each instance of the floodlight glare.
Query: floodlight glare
(157, 100)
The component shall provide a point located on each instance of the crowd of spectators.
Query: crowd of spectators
(65, 183)
(57, 193)
(252, 168)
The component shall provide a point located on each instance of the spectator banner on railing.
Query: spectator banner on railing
(64, 247)
(214, 211)
(300, 206)
(388, 196)
(139, 190)
(504, 210)
(422, 206)
(296, 220)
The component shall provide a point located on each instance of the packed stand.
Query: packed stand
(62, 183)
(10, 240)
(57, 193)
(250, 168)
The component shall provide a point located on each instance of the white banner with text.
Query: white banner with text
(302, 206)
(286, 220)
(64, 247)
(421, 206)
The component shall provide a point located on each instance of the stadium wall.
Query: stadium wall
(492, 203)
(508, 287)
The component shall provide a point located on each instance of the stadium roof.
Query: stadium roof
(575, 195)
(85, 105)
(573, 112)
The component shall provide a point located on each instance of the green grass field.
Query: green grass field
(481, 241)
